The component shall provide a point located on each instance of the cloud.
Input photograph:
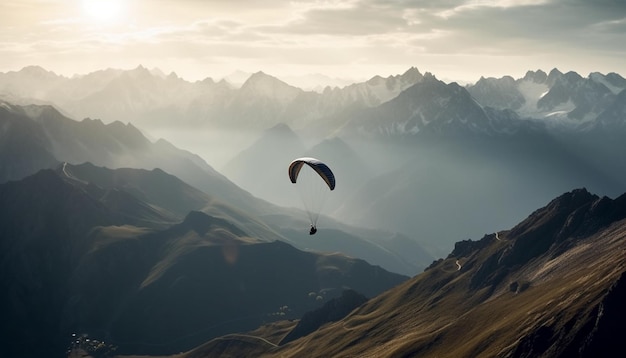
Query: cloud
(297, 35)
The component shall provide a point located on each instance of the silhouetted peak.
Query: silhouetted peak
(37, 71)
(221, 84)
(279, 132)
(209, 81)
(280, 128)
(572, 215)
(127, 134)
(572, 77)
(554, 75)
(264, 84)
(140, 68)
(466, 247)
(538, 76)
(121, 126)
(616, 80)
(38, 113)
(139, 73)
(47, 177)
(260, 76)
(558, 209)
(550, 230)
(576, 195)
(429, 76)
(412, 74)
(509, 80)
(375, 80)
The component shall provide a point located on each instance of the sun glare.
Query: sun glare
(103, 10)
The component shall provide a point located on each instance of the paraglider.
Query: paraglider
(314, 181)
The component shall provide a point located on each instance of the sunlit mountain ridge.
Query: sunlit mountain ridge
(550, 286)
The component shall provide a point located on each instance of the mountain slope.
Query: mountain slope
(261, 168)
(506, 300)
(202, 278)
(173, 199)
(565, 98)
(42, 236)
(157, 188)
(52, 137)
(449, 188)
(549, 287)
(55, 138)
(451, 160)
(93, 258)
(24, 148)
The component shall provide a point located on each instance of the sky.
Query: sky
(456, 40)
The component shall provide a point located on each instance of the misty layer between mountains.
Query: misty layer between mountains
(433, 160)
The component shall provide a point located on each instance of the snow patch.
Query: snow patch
(532, 93)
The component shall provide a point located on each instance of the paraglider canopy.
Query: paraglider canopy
(313, 179)
(322, 169)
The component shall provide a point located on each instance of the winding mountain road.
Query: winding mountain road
(65, 171)
(69, 175)
(235, 335)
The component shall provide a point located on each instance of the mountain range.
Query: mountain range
(109, 234)
(434, 151)
(150, 98)
(532, 138)
(115, 145)
(103, 252)
(557, 128)
(551, 286)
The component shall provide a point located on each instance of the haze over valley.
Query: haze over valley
(412, 153)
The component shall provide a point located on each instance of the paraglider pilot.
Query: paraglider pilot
(326, 176)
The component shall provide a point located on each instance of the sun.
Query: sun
(106, 11)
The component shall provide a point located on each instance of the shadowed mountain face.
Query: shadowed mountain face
(53, 138)
(46, 137)
(113, 258)
(43, 226)
(452, 188)
(24, 148)
(262, 167)
(552, 286)
(205, 278)
(441, 162)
